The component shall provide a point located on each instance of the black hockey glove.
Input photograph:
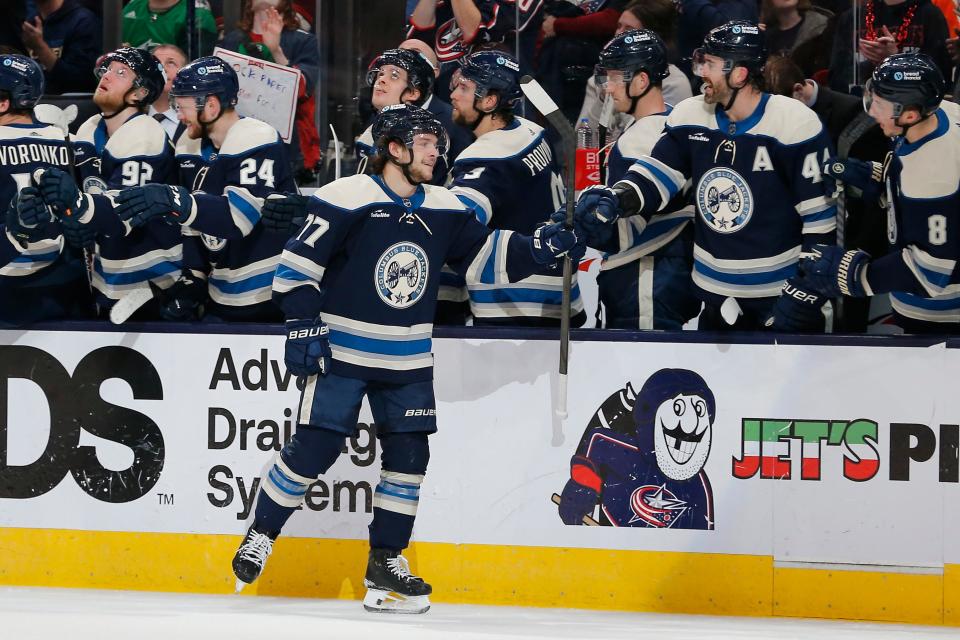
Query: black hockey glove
(798, 309)
(595, 217)
(831, 271)
(27, 215)
(137, 205)
(552, 241)
(307, 350)
(284, 212)
(865, 176)
(182, 301)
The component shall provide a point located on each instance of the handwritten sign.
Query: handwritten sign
(268, 91)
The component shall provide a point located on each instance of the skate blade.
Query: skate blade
(379, 601)
(239, 586)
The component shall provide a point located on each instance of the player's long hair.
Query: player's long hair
(285, 9)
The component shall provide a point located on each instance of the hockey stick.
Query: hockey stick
(545, 105)
(587, 520)
(336, 154)
(606, 114)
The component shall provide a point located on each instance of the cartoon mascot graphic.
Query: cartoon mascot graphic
(642, 457)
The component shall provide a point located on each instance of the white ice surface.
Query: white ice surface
(62, 614)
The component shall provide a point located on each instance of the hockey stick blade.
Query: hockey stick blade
(126, 306)
(587, 520)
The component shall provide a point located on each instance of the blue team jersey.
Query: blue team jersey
(24, 148)
(39, 279)
(250, 165)
(634, 239)
(923, 225)
(137, 153)
(511, 180)
(756, 185)
(368, 263)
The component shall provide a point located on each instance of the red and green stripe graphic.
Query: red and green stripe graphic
(766, 446)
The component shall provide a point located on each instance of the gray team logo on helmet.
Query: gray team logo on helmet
(724, 200)
(401, 275)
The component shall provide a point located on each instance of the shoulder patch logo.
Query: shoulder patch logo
(724, 200)
(401, 275)
(212, 243)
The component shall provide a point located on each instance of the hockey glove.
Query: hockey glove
(137, 205)
(27, 215)
(865, 176)
(832, 272)
(798, 309)
(183, 301)
(284, 212)
(595, 217)
(552, 241)
(61, 194)
(307, 350)
(582, 491)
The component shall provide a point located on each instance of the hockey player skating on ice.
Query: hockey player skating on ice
(358, 285)
(921, 183)
(40, 278)
(644, 278)
(652, 476)
(511, 180)
(754, 163)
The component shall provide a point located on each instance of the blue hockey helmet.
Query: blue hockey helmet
(634, 51)
(419, 70)
(402, 122)
(148, 70)
(906, 80)
(739, 42)
(207, 76)
(493, 71)
(21, 78)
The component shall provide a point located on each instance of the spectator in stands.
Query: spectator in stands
(66, 39)
(148, 23)
(572, 39)
(173, 59)
(270, 30)
(11, 27)
(659, 16)
(854, 134)
(887, 27)
(455, 27)
(460, 138)
(697, 17)
(790, 23)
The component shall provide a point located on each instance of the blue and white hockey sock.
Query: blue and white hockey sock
(394, 510)
(281, 492)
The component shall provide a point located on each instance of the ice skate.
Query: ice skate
(250, 558)
(391, 588)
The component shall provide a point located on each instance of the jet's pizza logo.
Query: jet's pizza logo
(640, 461)
(401, 275)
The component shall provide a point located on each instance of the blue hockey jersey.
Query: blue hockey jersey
(137, 153)
(36, 277)
(368, 263)
(757, 188)
(635, 237)
(511, 180)
(923, 227)
(224, 242)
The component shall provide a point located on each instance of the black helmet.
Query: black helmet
(149, 71)
(22, 78)
(634, 51)
(419, 70)
(208, 76)
(906, 80)
(740, 42)
(494, 71)
(401, 122)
